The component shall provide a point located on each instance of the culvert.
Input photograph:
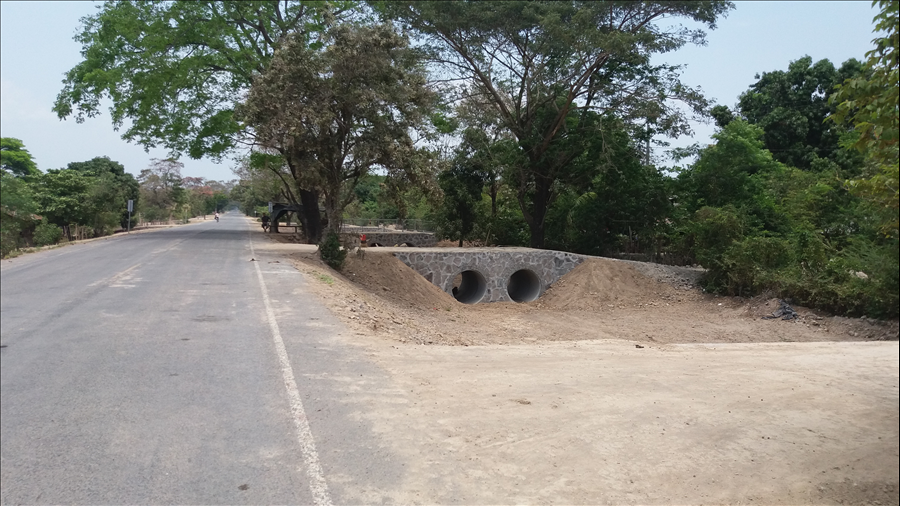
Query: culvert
(470, 287)
(523, 286)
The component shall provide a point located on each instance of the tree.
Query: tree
(462, 185)
(15, 159)
(113, 188)
(64, 197)
(870, 103)
(791, 107)
(16, 208)
(162, 193)
(620, 209)
(539, 66)
(176, 69)
(260, 181)
(337, 114)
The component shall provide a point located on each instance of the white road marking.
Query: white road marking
(116, 277)
(317, 484)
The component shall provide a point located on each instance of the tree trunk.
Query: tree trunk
(333, 211)
(310, 218)
(540, 202)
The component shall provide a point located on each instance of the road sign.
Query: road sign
(130, 209)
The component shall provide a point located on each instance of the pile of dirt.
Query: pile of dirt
(386, 275)
(378, 296)
(600, 283)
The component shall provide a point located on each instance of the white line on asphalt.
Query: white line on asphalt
(115, 277)
(317, 484)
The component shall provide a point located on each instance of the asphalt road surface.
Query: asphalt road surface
(167, 367)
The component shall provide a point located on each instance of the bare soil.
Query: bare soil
(622, 384)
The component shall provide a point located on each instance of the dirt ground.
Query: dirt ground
(622, 384)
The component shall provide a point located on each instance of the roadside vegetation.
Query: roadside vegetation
(499, 123)
(89, 199)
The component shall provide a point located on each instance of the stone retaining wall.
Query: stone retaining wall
(497, 265)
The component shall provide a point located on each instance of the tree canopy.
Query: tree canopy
(15, 159)
(539, 66)
(870, 103)
(176, 70)
(337, 113)
(791, 107)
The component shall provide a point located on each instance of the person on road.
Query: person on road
(265, 222)
(217, 215)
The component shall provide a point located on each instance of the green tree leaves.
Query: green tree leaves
(15, 159)
(539, 67)
(175, 70)
(338, 113)
(870, 103)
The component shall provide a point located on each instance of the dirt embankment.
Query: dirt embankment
(377, 294)
(616, 391)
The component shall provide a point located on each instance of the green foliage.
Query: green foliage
(16, 208)
(331, 252)
(112, 189)
(462, 185)
(757, 225)
(869, 103)
(791, 108)
(337, 114)
(175, 70)
(163, 196)
(620, 209)
(15, 159)
(537, 68)
(46, 234)
(63, 197)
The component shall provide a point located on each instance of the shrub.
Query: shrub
(331, 252)
(9, 236)
(46, 234)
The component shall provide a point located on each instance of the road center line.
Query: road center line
(317, 484)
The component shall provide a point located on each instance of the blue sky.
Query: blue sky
(36, 49)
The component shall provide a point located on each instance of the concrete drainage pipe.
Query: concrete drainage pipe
(469, 287)
(524, 286)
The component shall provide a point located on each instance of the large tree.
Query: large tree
(115, 186)
(539, 66)
(176, 69)
(339, 113)
(870, 103)
(791, 107)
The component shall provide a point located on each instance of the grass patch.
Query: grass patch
(325, 278)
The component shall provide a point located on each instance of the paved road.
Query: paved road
(166, 367)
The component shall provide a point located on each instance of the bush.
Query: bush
(46, 234)
(331, 252)
(9, 236)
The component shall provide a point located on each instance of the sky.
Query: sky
(36, 50)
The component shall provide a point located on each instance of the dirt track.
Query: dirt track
(616, 388)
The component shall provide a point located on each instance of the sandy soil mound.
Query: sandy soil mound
(600, 283)
(386, 275)
(379, 296)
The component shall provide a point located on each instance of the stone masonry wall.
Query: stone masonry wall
(440, 266)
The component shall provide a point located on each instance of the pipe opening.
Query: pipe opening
(523, 286)
(469, 287)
